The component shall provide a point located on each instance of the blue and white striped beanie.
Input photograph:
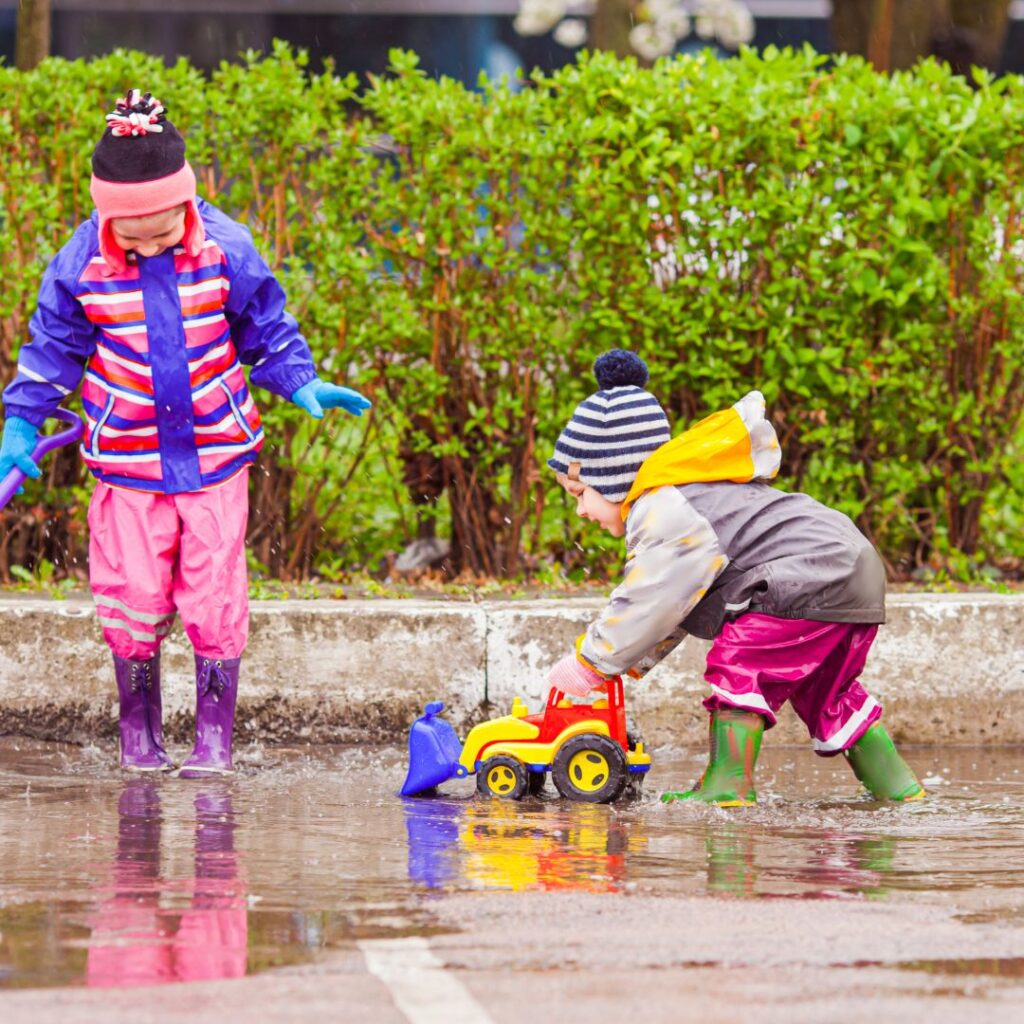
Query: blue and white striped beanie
(615, 429)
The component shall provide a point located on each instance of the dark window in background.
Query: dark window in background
(793, 32)
(459, 46)
(8, 18)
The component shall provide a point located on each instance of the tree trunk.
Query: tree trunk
(892, 34)
(32, 42)
(986, 22)
(880, 34)
(895, 34)
(610, 26)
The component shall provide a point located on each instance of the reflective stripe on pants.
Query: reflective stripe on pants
(151, 555)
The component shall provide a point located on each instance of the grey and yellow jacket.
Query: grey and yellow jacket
(707, 540)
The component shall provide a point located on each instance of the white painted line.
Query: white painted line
(423, 991)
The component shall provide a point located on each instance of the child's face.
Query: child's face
(152, 234)
(592, 505)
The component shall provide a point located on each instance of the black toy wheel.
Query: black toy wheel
(591, 768)
(503, 777)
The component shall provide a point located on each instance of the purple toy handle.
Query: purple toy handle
(46, 443)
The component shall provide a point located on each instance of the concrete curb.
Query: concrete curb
(949, 668)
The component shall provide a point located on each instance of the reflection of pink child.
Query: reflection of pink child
(134, 941)
(127, 945)
(788, 590)
(160, 299)
(213, 934)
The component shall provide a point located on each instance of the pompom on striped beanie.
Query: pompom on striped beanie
(614, 430)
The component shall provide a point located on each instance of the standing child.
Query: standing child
(159, 298)
(788, 590)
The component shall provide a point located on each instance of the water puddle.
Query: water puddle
(111, 881)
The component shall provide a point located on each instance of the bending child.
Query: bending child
(159, 298)
(790, 593)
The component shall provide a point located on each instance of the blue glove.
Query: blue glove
(318, 395)
(19, 438)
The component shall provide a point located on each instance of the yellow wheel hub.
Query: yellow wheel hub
(588, 770)
(501, 779)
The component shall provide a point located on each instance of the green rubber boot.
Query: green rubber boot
(728, 779)
(885, 775)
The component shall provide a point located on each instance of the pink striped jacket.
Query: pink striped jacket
(161, 346)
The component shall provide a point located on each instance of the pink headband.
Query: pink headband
(115, 199)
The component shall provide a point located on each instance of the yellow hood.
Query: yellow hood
(736, 444)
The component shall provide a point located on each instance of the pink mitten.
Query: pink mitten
(571, 676)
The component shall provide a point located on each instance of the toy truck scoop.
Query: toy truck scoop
(588, 749)
(15, 478)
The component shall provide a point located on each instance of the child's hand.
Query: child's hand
(19, 439)
(318, 395)
(571, 676)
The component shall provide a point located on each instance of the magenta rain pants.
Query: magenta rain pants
(758, 662)
(151, 555)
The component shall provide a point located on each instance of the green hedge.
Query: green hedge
(846, 241)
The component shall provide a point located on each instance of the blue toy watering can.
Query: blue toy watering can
(434, 752)
(46, 443)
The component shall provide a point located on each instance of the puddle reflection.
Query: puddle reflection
(495, 845)
(834, 866)
(490, 844)
(134, 940)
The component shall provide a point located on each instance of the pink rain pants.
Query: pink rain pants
(151, 555)
(135, 941)
(758, 662)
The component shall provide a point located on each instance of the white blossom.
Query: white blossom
(727, 20)
(676, 21)
(656, 10)
(735, 26)
(571, 32)
(539, 16)
(704, 26)
(661, 24)
(650, 40)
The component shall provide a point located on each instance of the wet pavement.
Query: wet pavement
(304, 887)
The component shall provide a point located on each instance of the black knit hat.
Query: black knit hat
(139, 168)
(140, 144)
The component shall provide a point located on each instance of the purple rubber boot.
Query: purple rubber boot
(142, 737)
(216, 692)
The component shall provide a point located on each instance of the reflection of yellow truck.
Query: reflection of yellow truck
(586, 747)
(583, 847)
